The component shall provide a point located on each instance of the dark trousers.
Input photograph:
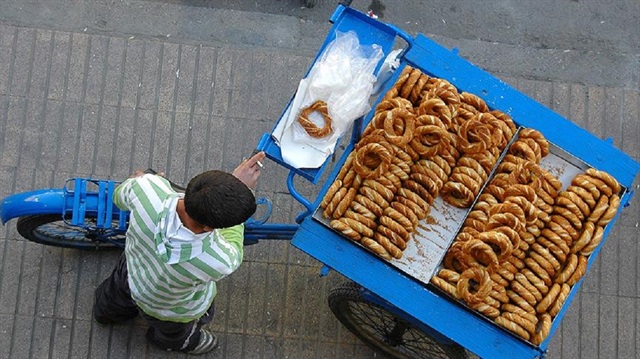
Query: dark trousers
(113, 305)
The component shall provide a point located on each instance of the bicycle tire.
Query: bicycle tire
(51, 230)
(374, 325)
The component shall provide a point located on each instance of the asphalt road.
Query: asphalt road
(579, 41)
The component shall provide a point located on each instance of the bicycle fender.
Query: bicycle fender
(44, 201)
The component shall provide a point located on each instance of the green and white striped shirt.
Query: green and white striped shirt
(172, 280)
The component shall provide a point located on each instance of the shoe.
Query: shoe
(207, 343)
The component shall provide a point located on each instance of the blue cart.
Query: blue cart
(384, 306)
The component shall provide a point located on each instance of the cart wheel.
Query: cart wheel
(384, 330)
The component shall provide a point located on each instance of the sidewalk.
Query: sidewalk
(90, 105)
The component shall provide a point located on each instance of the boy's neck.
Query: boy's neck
(187, 221)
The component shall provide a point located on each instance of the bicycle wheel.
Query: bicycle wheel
(384, 330)
(51, 230)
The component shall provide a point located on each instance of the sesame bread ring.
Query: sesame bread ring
(600, 208)
(480, 254)
(523, 293)
(376, 248)
(521, 190)
(399, 218)
(335, 200)
(445, 286)
(529, 211)
(542, 329)
(344, 204)
(568, 270)
(544, 252)
(499, 241)
(352, 179)
(429, 140)
(436, 107)
(512, 308)
(400, 169)
(521, 149)
(585, 195)
(581, 269)
(538, 270)
(575, 203)
(392, 93)
(522, 279)
(571, 213)
(474, 294)
(595, 241)
(474, 136)
(347, 166)
(582, 180)
(562, 297)
(404, 76)
(449, 275)
(311, 128)
(370, 205)
(405, 212)
(331, 192)
(378, 187)
(457, 194)
(410, 193)
(474, 101)
(561, 225)
(406, 88)
(360, 209)
(398, 240)
(585, 237)
(366, 221)
(486, 309)
(396, 102)
(505, 219)
(555, 238)
(545, 264)
(608, 179)
(549, 299)
(433, 187)
(416, 91)
(607, 216)
(459, 177)
(431, 170)
(393, 179)
(413, 206)
(506, 274)
(536, 281)
(557, 253)
(374, 196)
(600, 185)
(508, 207)
(377, 151)
(537, 137)
(497, 278)
(520, 302)
(389, 225)
(512, 327)
(528, 325)
(393, 250)
(345, 229)
(399, 126)
(359, 227)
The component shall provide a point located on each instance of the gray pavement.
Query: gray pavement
(148, 87)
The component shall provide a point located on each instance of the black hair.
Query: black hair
(218, 199)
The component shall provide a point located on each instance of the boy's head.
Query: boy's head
(218, 199)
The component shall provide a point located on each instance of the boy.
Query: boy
(178, 246)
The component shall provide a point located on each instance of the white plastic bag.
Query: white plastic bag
(343, 78)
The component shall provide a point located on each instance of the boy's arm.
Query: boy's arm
(234, 236)
(121, 196)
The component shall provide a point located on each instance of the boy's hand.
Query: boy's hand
(249, 170)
